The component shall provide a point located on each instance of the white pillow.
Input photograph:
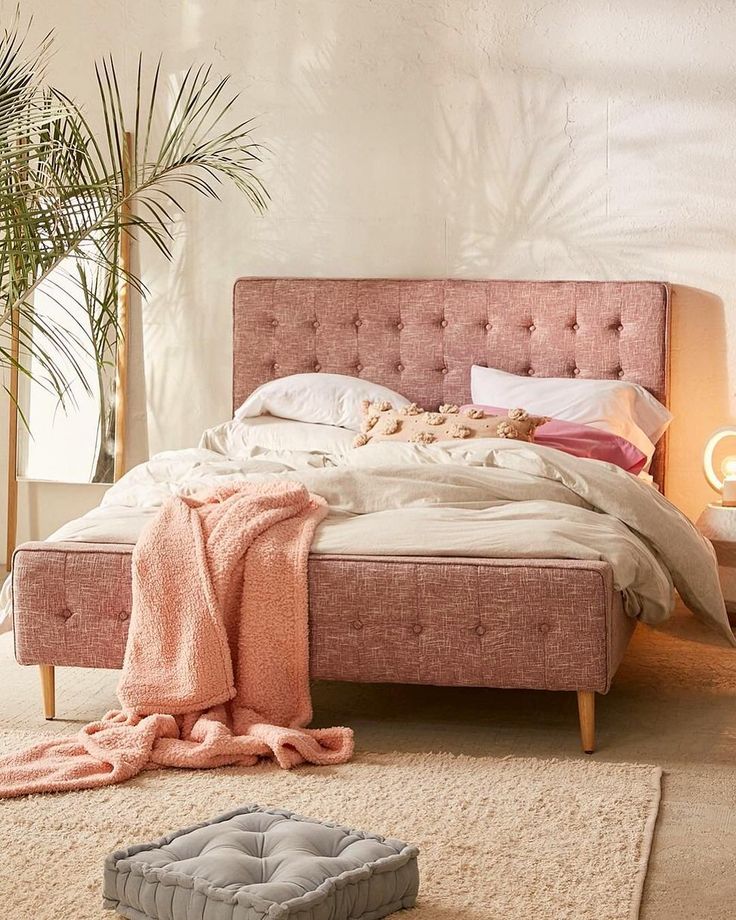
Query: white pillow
(622, 408)
(325, 399)
(238, 438)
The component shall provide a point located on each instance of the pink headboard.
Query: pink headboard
(421, 337)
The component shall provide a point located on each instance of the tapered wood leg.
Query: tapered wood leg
(586, 711)
(48, 688)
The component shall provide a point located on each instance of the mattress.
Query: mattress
(491, 563)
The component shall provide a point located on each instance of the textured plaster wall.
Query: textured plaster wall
(478, 138)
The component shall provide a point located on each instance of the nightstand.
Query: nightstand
(718, 524)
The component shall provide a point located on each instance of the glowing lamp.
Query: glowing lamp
(726, 482)
(718, 520)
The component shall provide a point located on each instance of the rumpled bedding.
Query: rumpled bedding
(491, 498)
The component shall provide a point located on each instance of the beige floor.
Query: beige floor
(673, 704)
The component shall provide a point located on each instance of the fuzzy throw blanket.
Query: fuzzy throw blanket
(216, 668)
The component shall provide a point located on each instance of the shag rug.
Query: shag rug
(500, 839)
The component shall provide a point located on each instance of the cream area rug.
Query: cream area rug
(499, 839)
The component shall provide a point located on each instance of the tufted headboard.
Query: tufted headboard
(421, 337)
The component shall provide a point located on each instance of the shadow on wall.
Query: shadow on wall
(543, 184)
(187, 322)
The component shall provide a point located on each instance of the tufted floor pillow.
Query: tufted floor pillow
(262, 864)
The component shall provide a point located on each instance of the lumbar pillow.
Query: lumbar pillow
(381, 422)
(325, 399)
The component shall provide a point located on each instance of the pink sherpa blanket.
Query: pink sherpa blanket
(216, 669)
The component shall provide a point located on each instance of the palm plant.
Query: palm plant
(69, 195)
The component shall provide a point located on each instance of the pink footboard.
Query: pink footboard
(546, 624)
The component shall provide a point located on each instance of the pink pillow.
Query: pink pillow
(584, 441)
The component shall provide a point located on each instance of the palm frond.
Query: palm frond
(67, 196)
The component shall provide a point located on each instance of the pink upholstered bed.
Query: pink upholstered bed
(554, 624)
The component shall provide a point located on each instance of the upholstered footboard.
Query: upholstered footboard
(538, 624)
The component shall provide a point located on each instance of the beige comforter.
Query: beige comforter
(490, 498)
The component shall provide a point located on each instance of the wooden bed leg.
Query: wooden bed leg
(586, 711)
(48, 688)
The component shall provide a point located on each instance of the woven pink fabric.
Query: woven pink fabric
(216, 667)
(421, 337)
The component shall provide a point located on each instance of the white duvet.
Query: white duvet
(489, 498)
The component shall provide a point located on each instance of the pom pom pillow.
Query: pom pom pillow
(381, 422)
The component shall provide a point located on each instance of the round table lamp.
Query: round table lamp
(718, 521)
(726, 482)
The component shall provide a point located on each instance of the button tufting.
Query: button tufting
(444, 324)
(575, 327)
(620, 372)
(66, 613)
(261, 853)
(399, 367)
(576, 371)
(443, 370)
(417, 628)
(358, 367)
(315, 324)
(399, 326)
(123, 616)
(488, 327)
(530, 372)
(318, 367)
(544, 628)
(480, 630)
(532, 328)
(357, 624)
(357, 324)
(274, 367)
(619, 328)
(274, 322)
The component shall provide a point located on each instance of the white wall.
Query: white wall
(493, 138)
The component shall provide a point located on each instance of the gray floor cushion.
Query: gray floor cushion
(262, 864)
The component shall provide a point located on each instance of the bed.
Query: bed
(544, 623)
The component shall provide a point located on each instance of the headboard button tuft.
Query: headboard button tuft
(399, 367)
(576, 371)
(620, 372)
(488, 327)
(318, 367)
(274, 323)
(315, 324)
(532, 328)
(443, 370)
(619, 328)
(530, 371)
(399, 326)
(575, 327)
(444, 324)
(358, 367)
(357, 324)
